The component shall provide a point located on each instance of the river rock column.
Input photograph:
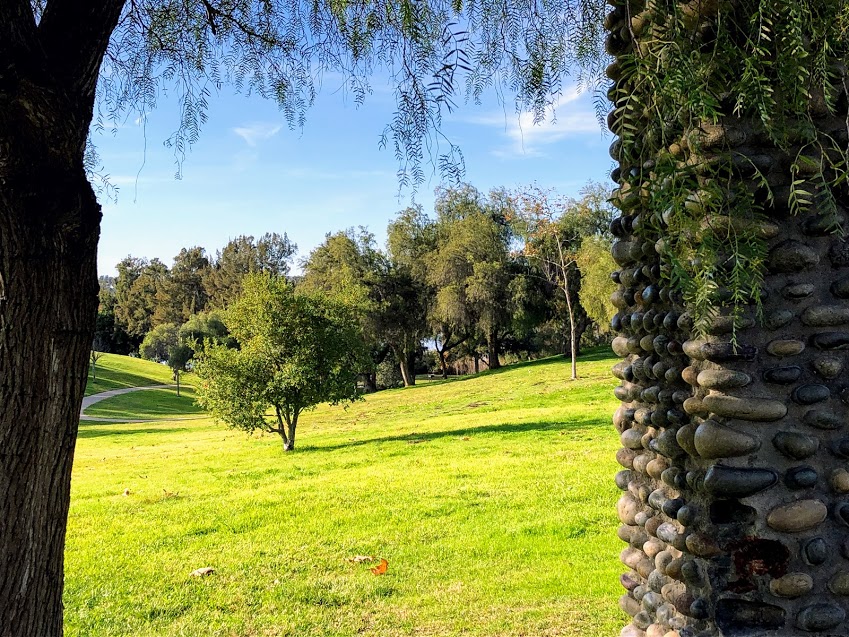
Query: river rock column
(735, 454)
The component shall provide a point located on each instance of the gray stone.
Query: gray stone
(798, 291)
(777, 319)
(693, 349)
(783, 375)
(828, 367)
(785, 347)
(839, 583)
(725, 325)
(810, 394)
(666, 444)
(792, 256)
(728, 352)
(822, 419)
(825, 316)
(801, 478)
(831, 340)
(629, 605)
(756, 409)
(821, 225)
(792, 585)
(839, 481)
(737, 482)
(744, 617)
(713, 440)
(819, 617)
(685, 436)
(795, 445)
(722, 379)
(702, 545)
(798, 516)
(632, 439)
(839, 253)
(627, 508)
(815, 551)
(840, 288)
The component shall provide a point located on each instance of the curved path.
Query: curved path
(88, 401)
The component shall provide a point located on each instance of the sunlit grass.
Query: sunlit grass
(491, 497)
(117, 372)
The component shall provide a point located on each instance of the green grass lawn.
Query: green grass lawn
(491, 498)
(117, 372)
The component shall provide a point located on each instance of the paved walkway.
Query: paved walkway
(88, 401)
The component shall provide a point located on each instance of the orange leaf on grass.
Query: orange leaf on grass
(380, 569)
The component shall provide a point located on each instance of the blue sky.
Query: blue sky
(250, 174)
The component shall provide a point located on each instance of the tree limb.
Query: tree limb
(74, 35)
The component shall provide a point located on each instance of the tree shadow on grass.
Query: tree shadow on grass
(102, 429)
(504, 428)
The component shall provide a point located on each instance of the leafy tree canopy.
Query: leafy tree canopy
(296, 351)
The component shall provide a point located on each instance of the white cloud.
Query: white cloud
(570, 115)
(256, 132)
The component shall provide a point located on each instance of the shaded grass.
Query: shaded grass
(147, 404)
(118, 372)
(491, 498)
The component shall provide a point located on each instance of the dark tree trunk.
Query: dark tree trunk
(494, 346)
(734, 451)
(49, 227)
(443, 363)
(370, 382)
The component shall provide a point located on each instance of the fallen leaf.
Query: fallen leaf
(380, 569)
(202, 572)
(466, 438)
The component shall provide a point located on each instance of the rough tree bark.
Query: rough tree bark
(734, 454)
(49, 227)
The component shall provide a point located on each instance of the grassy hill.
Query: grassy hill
(490, 497)
(118, 372)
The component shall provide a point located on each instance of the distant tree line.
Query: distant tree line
(485, 278)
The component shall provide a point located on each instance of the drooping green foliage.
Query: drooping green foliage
(295, 351)
(705, 78)
(433, 52)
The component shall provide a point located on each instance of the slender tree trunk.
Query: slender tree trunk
(573, 341)
(443, 363)
(289, 445)
(477, 363)
(493, 347)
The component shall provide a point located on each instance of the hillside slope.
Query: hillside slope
(116, 372)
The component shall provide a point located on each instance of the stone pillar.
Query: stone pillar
(735, 451)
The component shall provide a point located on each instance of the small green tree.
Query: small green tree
(296, 351)
(178, 358)
(159, 342)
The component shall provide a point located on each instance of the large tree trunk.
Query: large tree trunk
(49, 220)
(49, 227)
(734, 453)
